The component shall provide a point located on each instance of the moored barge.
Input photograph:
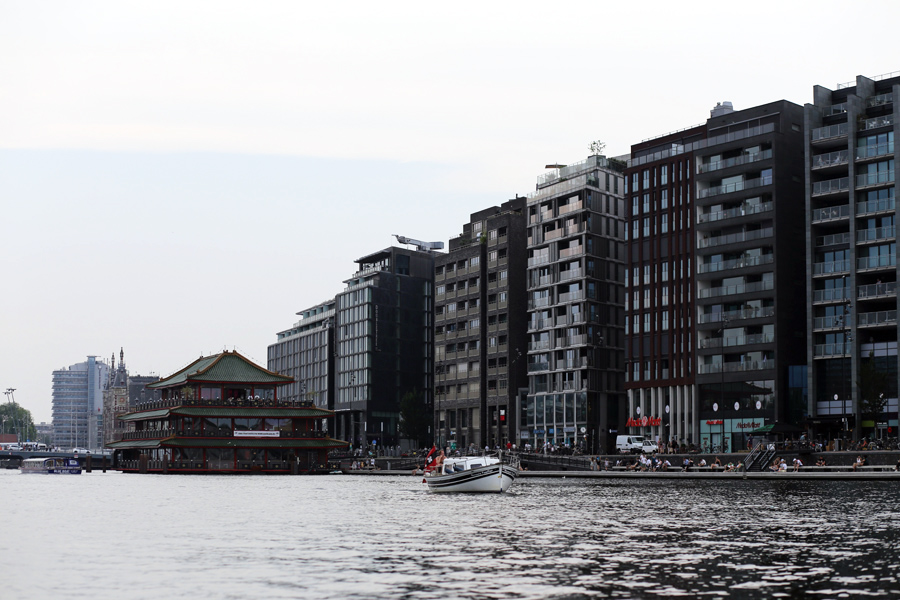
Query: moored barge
(221, 414)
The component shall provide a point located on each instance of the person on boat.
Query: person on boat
(438, 463)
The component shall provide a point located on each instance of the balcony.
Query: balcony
(749, 365)
(876, 319)
(830, 132)
(539, 366)
(737, 160)
(731, 213)
(832, 322)
(872, 207)
(831, 267)
(834, 239)
(831, 213)
(832, 159)
(736, 238)
(741, 288)
(569, 252)
(831, 186)
(539, 345)
(738, 340)
(570, 274)
(735, 187)
(830, 350)
(877, 234)
(879, 100)
(877, 290)
(543, 259)
(869, 263)
(570, 208)
(737, 263)
(737, 315)
(833, 295)
(572, 296)
(875, 151)
(876, 123)
(835, 109)
(874, 179)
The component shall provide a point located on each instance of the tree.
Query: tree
(16, 419)
(414, 418)
(871, 385)
(597, 147)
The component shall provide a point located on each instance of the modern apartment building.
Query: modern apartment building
(852, 245)
(360, 353)
(715, 244)
(480, 315)
(576, 295)
(78, 404)
(659, 302)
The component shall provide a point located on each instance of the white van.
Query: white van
(629, 444)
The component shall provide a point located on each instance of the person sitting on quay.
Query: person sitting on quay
(702, 462)
(729, 467)
(797, 464)
(860, 462)
(897, 466)
(687, 464)
(716, 464)
(820, 462)
(665, 464)
(775, 465)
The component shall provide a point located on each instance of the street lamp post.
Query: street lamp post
(11, 399)
(845, 352)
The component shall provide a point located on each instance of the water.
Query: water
(125, 537)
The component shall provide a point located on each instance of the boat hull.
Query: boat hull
(484, 480)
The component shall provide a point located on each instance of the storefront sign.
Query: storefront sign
(715, 422)
(261, 434)
(644, 422)
(750, 425)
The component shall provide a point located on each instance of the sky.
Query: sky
(178, 178)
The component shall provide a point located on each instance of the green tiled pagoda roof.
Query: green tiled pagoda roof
(234, 412)
(192, 442)
(227, 367)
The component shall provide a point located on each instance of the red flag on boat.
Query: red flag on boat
(428, 462)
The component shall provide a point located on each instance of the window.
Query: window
(664, 174)
(664, 223)
(473, 262)
(492, 256)
(492, 234)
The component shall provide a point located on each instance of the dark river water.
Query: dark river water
(99, 536)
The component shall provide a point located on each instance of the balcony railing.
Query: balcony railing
(874, 151)
(877, 122)
(735, 238)
(832, 159)
(831, 186)
(876, 290)
(834, 266)
(737, 263)
(875, 206)
(749, 365)
(737, 340)
(730, 213)
(831, 131)
(837, 349)
(879, 178)
(834, 239)
(832, 295)
(737, 186)
(831, 322)
(538, 260)
(738, 315)
(882, 317)
(879, 100)
(740, 288)
(831, 213)
(735, 161)
(574, 251)
(835, 109)
(876, 234)
(876, 262)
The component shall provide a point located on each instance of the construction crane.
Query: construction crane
(420, 245)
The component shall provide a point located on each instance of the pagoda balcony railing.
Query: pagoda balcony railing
(159, 434)
(235, 402)
(876, 290)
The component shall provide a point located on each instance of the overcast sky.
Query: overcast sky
(181, 177)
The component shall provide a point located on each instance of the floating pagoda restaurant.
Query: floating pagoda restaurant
(221, 414)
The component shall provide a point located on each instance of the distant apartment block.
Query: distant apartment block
(78, 404)
(852, 245)
(480, 314)
(576, 296)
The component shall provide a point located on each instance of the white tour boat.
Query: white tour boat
(485, 474)
(51, 466)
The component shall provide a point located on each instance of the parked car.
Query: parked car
(629, 444)
(649, 447)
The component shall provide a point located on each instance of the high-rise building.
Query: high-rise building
(78, 404)
(715, 244)
(576, 295)
(480, 329)
(852, 245)
(362, 352)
